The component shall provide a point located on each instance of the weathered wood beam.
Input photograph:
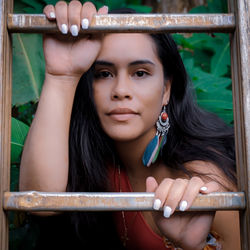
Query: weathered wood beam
(240, 62)
(5, 116)
(41, 201)
(24, 23)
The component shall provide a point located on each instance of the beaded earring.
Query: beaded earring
(152, 150)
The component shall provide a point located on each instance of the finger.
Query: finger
(103, 10)
(210, 187)
(74, 14)
(175, 194)
(161, 193)
(151, 184)
(49, 11)
(61, 9)
(87, 12)
(191, 191)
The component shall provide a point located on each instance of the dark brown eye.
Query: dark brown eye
(103, 74)
(140, 73)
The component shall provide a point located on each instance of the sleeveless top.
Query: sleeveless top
(133, 230)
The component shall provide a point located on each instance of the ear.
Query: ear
(166, 92)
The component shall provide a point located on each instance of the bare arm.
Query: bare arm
(44, 164)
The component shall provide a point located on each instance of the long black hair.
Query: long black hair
(194, 135)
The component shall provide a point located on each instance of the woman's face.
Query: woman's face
(129, 86)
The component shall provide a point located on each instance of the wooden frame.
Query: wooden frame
(240, 42)
(5, 115)
(240, 58)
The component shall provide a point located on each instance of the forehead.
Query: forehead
(128, 45)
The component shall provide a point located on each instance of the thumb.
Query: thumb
(151, 184)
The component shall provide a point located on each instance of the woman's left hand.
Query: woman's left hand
(187, 230)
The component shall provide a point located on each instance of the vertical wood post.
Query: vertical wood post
(240, 57)
(6, 6)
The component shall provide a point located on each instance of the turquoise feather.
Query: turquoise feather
(150, 151)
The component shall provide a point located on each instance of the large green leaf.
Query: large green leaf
(212, 91)
(220, 62)
(213, 6)
(206, 82)
(218, 102)
(28, 68)
(140, 8)
(28, 6)
(19, 132)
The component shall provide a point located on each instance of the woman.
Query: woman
(124, 104)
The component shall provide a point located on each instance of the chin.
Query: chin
(123, 138)
(123, 135)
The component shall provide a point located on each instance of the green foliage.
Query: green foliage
(207, 60)
(28, 68)
(34, 6)
(19, 132)
(213, 6)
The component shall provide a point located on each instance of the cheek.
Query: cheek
(100, 96)
(152, 105)
(151, 111)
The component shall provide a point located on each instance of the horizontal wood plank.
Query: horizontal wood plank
(24, 23)
(41, 201)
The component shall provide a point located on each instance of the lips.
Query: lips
(122, 114)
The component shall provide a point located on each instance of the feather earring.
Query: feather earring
(153, 149)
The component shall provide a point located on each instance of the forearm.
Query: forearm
(44, 164)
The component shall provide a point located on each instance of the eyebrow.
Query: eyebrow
(110, 64)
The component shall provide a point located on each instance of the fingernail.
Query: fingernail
(64, 28)
(203, 188)
(74, 30)
(157, 204)
(52, 15)
(183, 206)
(167, 211)
(85, 23)
(107, 8)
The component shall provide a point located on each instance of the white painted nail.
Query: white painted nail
(52, 15)
(167, 211)
(85, 23)
(64, 28)
(74, 30)
(157, 204)
(203, 188)
(107, 7)
(183, 205)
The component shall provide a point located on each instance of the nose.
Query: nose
(122, 88)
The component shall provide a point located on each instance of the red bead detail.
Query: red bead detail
(164, 116)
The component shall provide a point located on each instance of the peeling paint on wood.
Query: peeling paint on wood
(24, 23)
(41, 201)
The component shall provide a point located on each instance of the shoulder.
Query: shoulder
(208, 172)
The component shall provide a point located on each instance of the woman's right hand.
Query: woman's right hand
(67, 54)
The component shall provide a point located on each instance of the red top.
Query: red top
(139, 234)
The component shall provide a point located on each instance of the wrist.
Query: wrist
(67, 81)
(59, 88)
